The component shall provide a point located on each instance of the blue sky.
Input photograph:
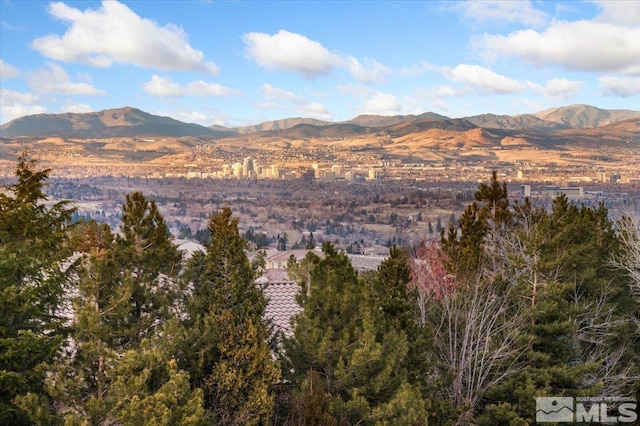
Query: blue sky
(235, 63)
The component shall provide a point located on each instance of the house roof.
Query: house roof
(283, 256)
(281, 304)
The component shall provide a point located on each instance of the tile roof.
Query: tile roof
(281, 304)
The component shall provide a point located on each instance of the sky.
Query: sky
(237, 63)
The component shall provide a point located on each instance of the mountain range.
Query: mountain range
(131, 122)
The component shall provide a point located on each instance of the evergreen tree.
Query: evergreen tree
(149, 264)
(494, 202)
(311, 243)
(393, 299)
(225, 348)
(478, 227)
(578, 326)
(80, 380)
(126, 288)
(33, 277)
(281, 242)
(464, 246)
(345, 369)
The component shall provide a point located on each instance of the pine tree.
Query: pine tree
(345, 370)
(494, 201)
(33, 277)
(478, 227)
(464, 246)
(394, 301)
(311, 243)
(149, 264)
(126, 288)
(225, 348)
(560, 263)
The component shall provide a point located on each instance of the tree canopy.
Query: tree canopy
(103, 326)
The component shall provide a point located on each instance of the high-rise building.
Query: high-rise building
(248, 167)
(237, 170)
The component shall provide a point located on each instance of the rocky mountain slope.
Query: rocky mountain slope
(554, 124)
(119, 122)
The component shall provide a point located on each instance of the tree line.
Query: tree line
(114, 327)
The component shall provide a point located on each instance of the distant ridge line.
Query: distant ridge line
(129, 121)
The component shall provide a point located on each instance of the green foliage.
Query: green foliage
(479, 225)
(394, 303)
(225, 345)
(126, 289)
(558, 262)
(33, 277)
(578, 306)
(147, 265)
(523, 303)
(494, 202)
(172, 402)
(349, 368)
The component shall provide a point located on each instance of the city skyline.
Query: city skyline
(241, 63)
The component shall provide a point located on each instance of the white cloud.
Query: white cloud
(164, 87)
(15, 104)
(275, 93)
(441, 105)
(290, 52)
(115, 34)
(202, 88)
(12, 97)
(417, 69)
(192, 116)
(620, 86)
(483, 79)
(287, 51)
(8, 71)
(315, 110)
(446, 91)
(76, 107)
(559, 89)
(356, 90)
(302, 107)
(368, 71)
(579, 45)
(185, 116)
(529, 105)
(56, 80)
(624, 12)
(511, 11)
(382, 104)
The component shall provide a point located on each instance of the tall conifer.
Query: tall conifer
(226, 349)
(33, 279)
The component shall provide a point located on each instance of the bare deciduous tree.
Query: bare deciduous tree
(477, 329)
(629, 227)
(629, 261)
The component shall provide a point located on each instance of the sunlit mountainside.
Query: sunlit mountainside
(577, 134)
(130, 121)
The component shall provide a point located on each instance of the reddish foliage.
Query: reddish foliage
(428, 271)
